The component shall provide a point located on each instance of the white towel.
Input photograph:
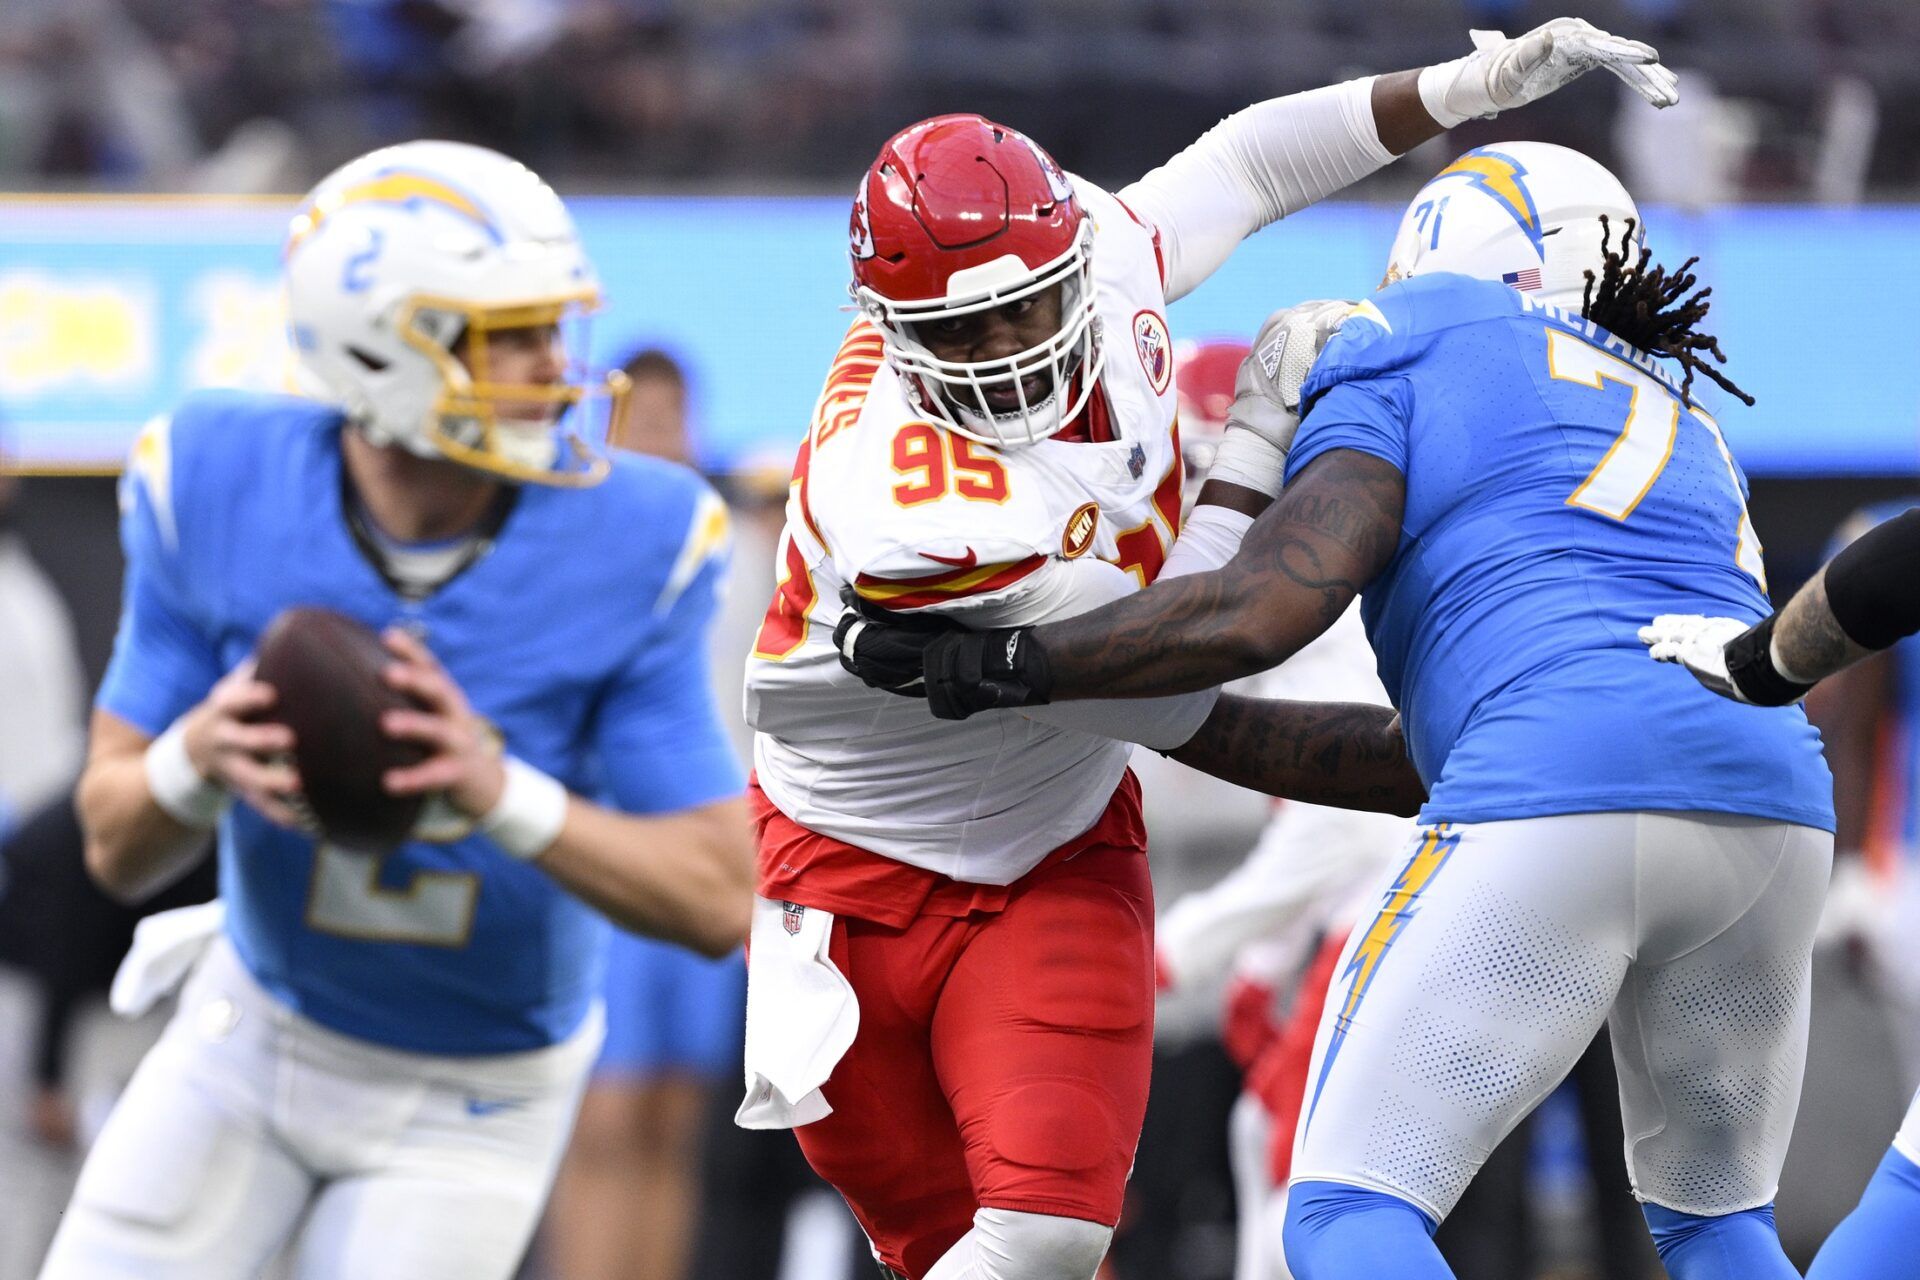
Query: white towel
(801, 1017)
(165, 949)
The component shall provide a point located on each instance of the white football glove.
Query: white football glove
(1697, 643)
(1266, 394)
(1501, 74)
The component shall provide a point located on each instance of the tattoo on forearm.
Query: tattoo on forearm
(1809, 641)
(1348, 755)
(1332, 531)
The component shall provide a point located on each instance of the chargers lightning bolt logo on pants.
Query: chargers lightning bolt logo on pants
(1395, 912)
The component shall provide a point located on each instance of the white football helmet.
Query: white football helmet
(1526, 213)
(395, 257)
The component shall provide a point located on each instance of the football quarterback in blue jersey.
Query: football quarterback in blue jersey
(384, 1053)
(1495, 457)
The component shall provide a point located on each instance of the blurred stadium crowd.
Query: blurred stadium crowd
(1788, 98)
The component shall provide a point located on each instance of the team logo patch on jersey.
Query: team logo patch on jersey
(1078, 538)
(1156, 350)
(791, 914)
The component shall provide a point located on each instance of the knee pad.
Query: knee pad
(1010, 1245)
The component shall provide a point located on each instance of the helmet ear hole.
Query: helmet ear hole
(371, 362)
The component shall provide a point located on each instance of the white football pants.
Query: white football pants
(1494, 952)
(248, 1121)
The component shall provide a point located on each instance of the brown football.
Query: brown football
(325, 669)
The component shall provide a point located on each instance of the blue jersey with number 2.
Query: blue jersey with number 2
(581, 634)
(1559, 494)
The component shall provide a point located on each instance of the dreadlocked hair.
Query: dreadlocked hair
(1642, 304)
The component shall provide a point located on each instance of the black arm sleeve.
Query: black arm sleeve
(1873, 586)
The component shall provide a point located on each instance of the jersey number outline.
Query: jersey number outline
(346, 898)
(1626, 473)
(943, 462)
(784, 628)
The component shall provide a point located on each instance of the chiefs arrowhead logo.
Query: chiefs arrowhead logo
(860, 231)
(1078, 538)
(1058, 184)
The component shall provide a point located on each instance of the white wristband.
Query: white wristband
(177, 787)
(527, 818)
(1434, 83)
(1247, 459)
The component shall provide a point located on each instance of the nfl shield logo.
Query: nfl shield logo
(790, 915)
(1137, 461)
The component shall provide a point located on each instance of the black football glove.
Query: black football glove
(958, 672)
(971, 671)
(882, 647)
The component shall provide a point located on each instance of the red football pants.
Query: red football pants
(1001, 1062)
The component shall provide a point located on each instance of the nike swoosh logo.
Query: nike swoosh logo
(481, 1107)
(962, 562)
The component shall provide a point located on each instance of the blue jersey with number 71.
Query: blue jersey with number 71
(581, 633)
(1559, 494)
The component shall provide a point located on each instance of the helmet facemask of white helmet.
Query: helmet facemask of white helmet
(525, 431)
(1040, 389)
(1526, 214)
(409, 271)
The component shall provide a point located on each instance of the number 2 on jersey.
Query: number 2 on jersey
(1627, 471)
(347, 899)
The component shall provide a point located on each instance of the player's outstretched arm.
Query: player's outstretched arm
(1346, 755)
(1279, 156)
(1302, 562)
(1861, 602)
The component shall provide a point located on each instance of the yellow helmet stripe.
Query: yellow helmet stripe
(389, 188)
(1500, 177)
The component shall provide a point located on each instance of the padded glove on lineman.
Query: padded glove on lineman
(1266, 394)
(1724, 654)
(1501, 74)
(958, 672)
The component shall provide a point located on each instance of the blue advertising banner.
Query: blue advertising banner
(111, 308)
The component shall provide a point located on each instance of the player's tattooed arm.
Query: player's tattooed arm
(1349, 755)
(1808, 641)
(1330, 533)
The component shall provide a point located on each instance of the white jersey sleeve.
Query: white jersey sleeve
(1256, 167)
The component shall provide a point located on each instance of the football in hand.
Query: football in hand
(326, 671)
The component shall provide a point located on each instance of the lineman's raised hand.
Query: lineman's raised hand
(1503, 73)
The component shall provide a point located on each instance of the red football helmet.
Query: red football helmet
(1203, 374)
(960, 215)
